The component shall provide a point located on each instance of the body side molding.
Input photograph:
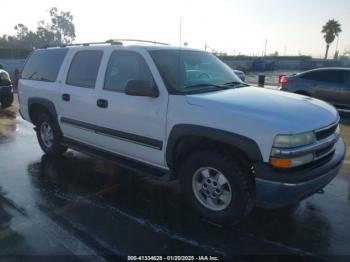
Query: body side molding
(137, 139)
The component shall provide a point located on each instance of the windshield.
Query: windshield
(185, 71)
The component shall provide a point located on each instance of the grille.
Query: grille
(326, 132)
(324, 151)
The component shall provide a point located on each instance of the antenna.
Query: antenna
(180, 31)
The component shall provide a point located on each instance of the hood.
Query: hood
(295, 112)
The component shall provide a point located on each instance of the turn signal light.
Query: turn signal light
(284, 163)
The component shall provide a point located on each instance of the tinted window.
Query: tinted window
(124, 66)
(334, 76)
(347, 77)
(84, 68)
(44, 65)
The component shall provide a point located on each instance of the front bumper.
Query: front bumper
(276, 188)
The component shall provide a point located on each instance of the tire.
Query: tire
(234, 208)
(50, 144)
(6, 101)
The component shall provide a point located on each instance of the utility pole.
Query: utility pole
(180, 31)
(265, 46)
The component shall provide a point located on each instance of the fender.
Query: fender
(49, 106)
(43, 102)
(245, 144)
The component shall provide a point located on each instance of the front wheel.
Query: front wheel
(49, 136)
(216, 185)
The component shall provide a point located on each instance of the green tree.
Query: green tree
(330, 31)
(60, 30)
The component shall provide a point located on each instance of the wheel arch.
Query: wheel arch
(188, 135)
(41, 105)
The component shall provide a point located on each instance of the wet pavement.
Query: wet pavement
(91, 210)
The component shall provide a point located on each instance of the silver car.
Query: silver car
(328, 84)
(240, 74)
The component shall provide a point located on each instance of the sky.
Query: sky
(290, 27)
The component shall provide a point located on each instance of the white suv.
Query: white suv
(231, 145)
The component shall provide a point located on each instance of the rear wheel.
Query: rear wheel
(217, 187)
(49, 135)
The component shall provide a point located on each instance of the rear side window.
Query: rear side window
(124, 66)
(44, 65)
(84, 68)
(333, 76)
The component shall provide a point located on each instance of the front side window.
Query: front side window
(124, 66)
(185, 71)
(44, 65)
(84, 68)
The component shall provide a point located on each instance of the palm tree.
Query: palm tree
(330, 31)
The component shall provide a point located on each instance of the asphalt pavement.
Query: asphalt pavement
(87, 209)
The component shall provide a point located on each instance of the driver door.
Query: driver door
(133, 126)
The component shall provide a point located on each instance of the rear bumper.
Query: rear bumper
(275, 193)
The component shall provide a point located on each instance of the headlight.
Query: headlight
(290, 141)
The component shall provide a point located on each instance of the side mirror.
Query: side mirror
(141, 88)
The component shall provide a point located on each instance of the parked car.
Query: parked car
(6, 89)
(232, 146)
(329, 84)
(240, 74)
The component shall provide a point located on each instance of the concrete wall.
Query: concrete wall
(11, 64)
(302, 63)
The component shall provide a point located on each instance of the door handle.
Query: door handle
(103, 103)
(65, 97)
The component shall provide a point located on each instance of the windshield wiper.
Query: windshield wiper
(236, 84)
(207, 85)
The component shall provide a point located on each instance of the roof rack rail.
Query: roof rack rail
(94, 43)
(136, 40)
(83, 44)
(110, 41)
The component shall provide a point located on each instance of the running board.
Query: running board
(127, 163)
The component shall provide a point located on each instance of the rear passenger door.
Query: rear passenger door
(78, 95)
(328, 85)
(344, 97)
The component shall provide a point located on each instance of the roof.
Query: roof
(106, 45)
(327, 68)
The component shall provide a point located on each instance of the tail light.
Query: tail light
(285, 82)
